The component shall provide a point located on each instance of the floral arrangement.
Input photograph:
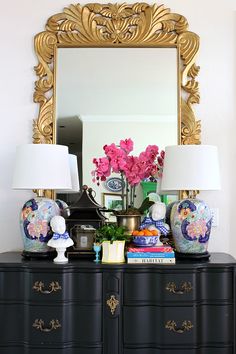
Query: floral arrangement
(133, 169)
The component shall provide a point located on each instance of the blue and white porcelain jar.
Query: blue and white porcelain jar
(34, 221)
(191, 221)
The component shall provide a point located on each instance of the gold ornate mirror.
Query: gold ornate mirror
(116, 26)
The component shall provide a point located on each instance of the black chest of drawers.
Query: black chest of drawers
(88, 308)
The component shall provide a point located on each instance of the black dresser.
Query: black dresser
(88, 308)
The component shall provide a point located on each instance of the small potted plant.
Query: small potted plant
(112, 238)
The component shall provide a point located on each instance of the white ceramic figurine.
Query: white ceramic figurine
(60, 239)
(155, 219)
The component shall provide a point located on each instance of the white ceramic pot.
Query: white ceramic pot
(113, 252)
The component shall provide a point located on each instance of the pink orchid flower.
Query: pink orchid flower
(127, 145)
(132, 168)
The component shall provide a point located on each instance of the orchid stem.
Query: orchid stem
(127, 195)
(123, 191)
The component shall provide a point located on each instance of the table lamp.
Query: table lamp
(40, 167)
(74, 184)
(191, 168)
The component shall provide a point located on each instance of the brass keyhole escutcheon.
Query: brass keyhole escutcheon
(112, 303)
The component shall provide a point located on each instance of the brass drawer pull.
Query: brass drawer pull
(112, 303)
(53, 287)
(185, 287)
(39, 324)
(172, 326)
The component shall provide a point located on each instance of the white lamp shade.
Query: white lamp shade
(74, 175)
(191, 167)
(42, 166)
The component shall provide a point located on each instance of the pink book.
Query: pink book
(151, 249)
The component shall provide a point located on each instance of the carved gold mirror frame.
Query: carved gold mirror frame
(116, 25)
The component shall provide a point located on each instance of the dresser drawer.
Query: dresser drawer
(146, 325)
(207, 350)
(154, 287)
(178, 326)
(216, 284)
(82, 350)
(203, 325)
(12, 321)
(77, 350)
(12, 285)
(81, 287)
(47, 350)
(64, 325)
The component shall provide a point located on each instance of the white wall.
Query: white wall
(213, 20)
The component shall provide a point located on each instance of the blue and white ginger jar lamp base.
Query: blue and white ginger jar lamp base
(35, 225)
(191, 221)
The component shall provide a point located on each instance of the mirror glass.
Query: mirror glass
(104, 95)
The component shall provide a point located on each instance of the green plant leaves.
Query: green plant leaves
(111, 233)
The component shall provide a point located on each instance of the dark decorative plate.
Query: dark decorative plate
(114, 184)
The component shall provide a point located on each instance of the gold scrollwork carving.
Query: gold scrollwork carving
(53, 287)
(114, 25)
(172, 326)
(190, 128)
(184, 288)
(112, 303)
(39, 325)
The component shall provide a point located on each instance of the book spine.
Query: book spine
(150, 255)
(151, 260)
(150, 249)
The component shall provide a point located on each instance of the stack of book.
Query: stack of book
(156, 254)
